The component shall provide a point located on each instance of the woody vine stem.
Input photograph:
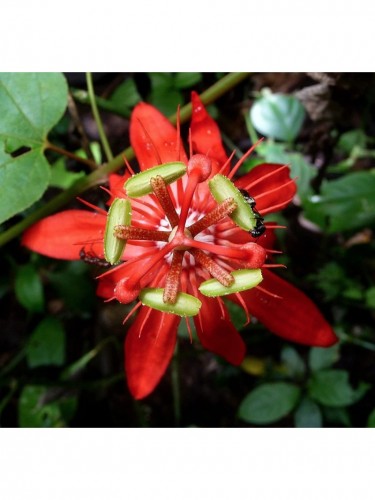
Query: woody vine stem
(98, 176)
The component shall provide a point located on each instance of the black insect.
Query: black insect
(91, 258)
(259, 228)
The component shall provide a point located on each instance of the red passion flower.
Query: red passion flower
(184, 233)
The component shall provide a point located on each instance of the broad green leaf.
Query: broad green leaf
(308, 414)
(30, 105)
(278, 116)
(164, 95)
(269, 402)
(38, 407)
(332, 388)
(323, 357)
(28, 288)
(47, 344)
(344, 204)
(186, 80)
(336, 415)
(126, 95)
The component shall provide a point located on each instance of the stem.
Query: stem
(73, 156)
(100, 174)
(98, 120)
(176, 388)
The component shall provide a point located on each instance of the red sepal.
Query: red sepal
(148, 352)
(270, 185)
(153, 137)
(205, 135)
(293, 317)
(217, 333)
(63, 235)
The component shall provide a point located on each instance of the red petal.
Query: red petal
(153, 137)
(63, 235)
(205, 134)
(148, 353)
(270, 185)
(216, 333)
(293, 317)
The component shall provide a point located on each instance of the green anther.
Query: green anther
(119, 213)
(139, 184)
(185, 305)
(244, 279)
(222, 188)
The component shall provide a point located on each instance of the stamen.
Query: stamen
(162, 194)
(249, 187)
(190, 144)
(231, 253)
(138, 233)
(222, 308)
(221, 210)
(172, 282)
(216, 271)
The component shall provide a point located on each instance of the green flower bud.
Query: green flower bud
(118, 214)
(244, 279)
(222, 188)
(139, 184)
(185, 305)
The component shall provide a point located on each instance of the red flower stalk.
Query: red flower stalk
(192, 236)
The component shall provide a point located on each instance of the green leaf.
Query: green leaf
(47, 344)
(30, 105)
(278, 116)
(370, 297)
(28, 288)
(186, 80)
(63, 178)
(75, 287)
(332, 388)
(344, 204)
(371, 419)
(323, 357)
(350, 140)
(269, 402)
(126, 95)
(35, 408)
(308, 414)
(293, 361)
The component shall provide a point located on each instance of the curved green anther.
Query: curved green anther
(185, 305)
(119, 213)
(222, 188)
(139, 184)
(244, 279)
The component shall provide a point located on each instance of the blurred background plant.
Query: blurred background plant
(61, 346)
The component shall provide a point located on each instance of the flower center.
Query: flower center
(216, 260)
